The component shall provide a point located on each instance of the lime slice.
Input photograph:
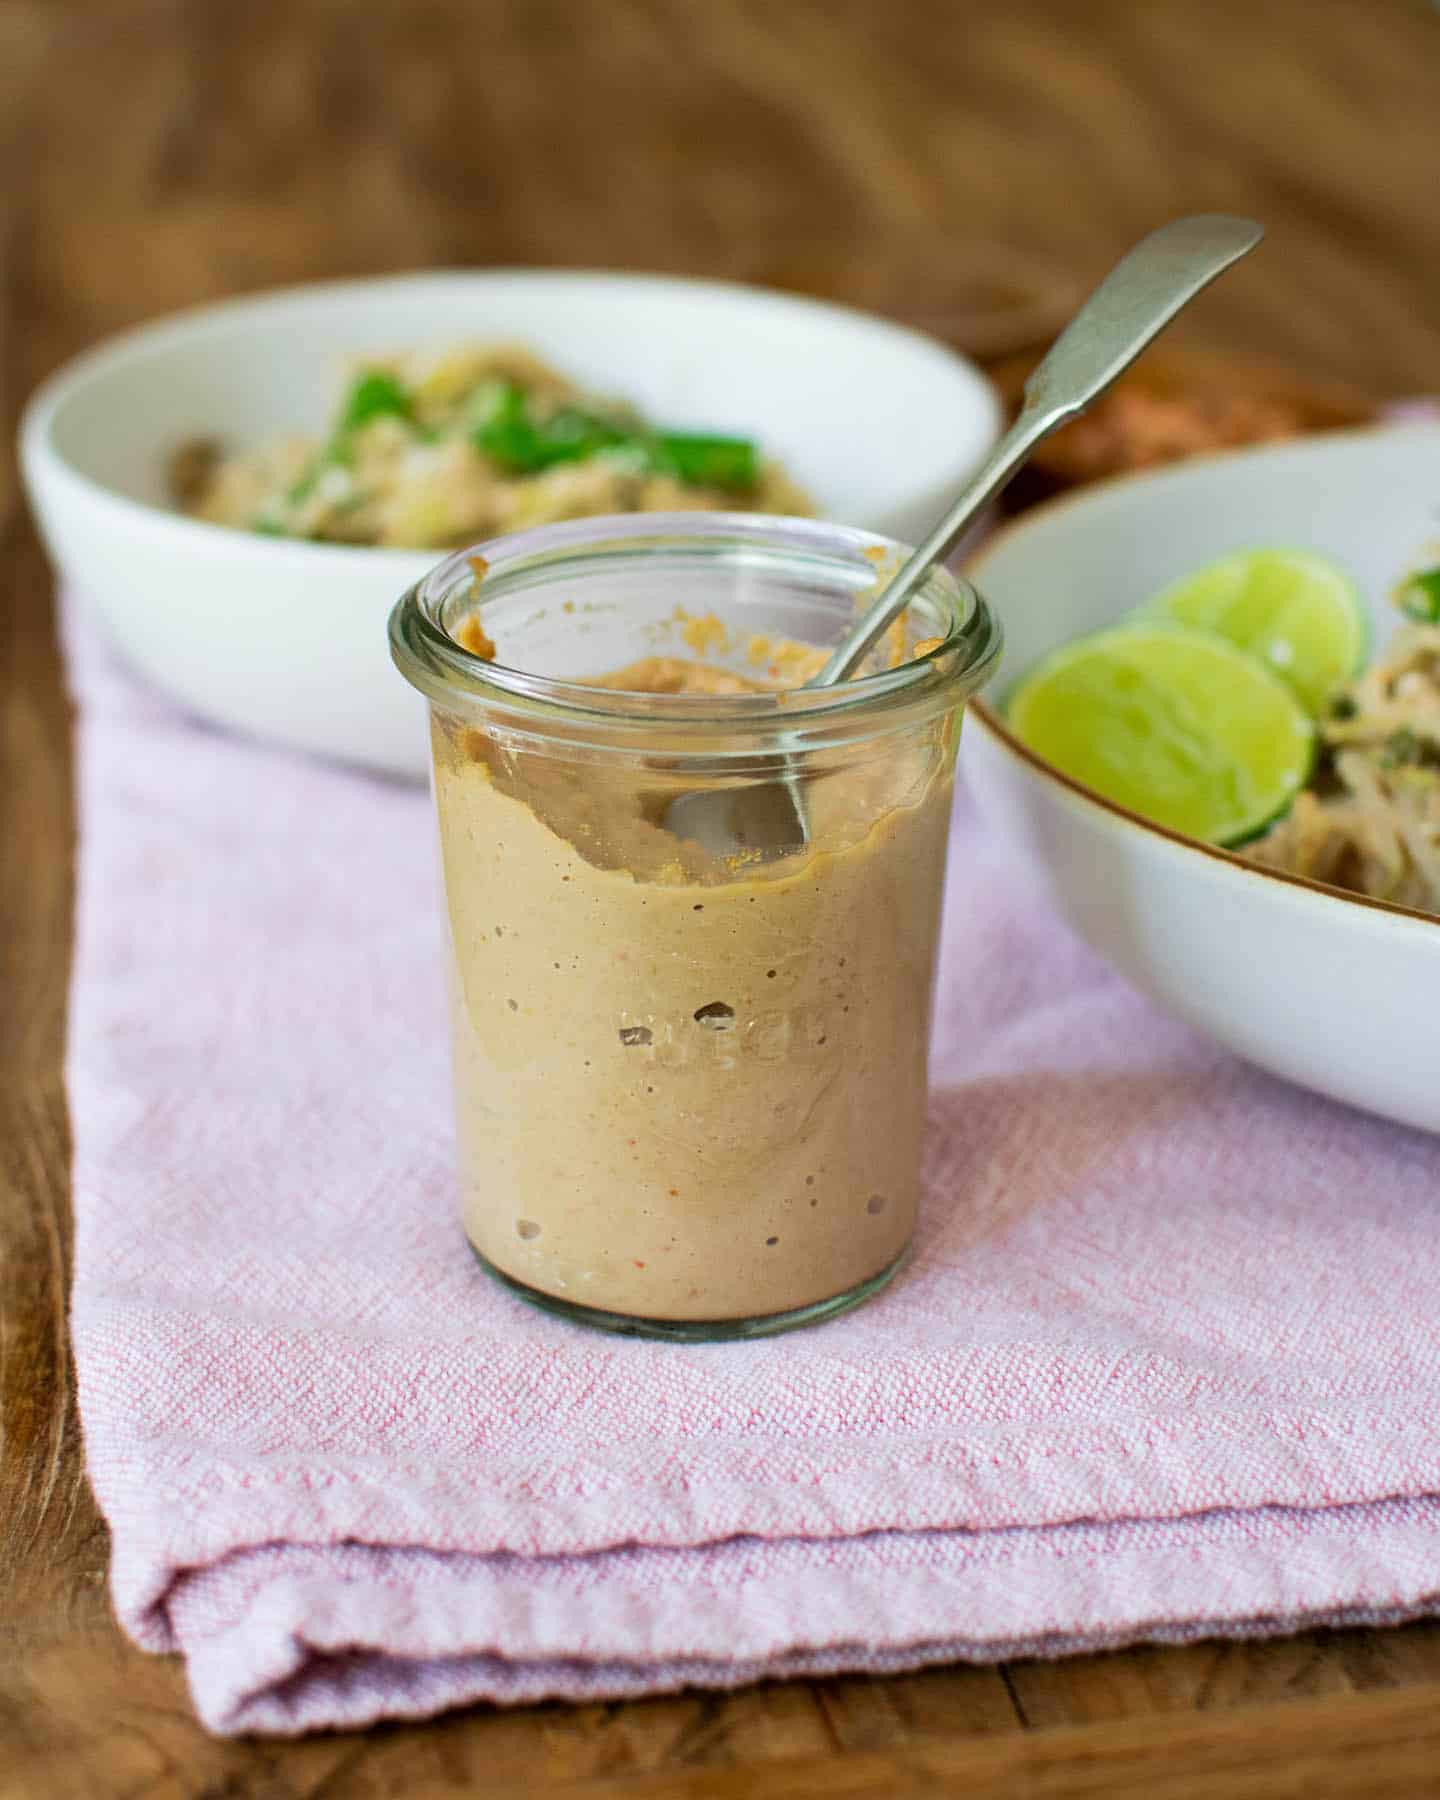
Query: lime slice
(1296, 611)
(1176, 725)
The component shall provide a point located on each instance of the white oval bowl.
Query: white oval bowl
(1338, 993)
(287, 640)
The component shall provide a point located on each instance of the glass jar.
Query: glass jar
(690, 1086)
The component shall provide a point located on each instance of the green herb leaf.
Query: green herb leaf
(375, 394)
(571, 435)
(702, 460)
(522, 445)
(1419, 596)
(506, 435)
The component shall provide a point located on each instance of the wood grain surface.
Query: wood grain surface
(968, 166)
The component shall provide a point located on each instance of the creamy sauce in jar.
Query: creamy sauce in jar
(689, 1088)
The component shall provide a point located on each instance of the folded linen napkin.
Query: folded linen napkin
(1166, 1364)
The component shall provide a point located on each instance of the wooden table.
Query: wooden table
(155, 153)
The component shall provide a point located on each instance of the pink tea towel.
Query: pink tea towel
(1167, 1362)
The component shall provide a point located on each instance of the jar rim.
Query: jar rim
(442, 668)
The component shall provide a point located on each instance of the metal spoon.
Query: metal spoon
(1135, 301)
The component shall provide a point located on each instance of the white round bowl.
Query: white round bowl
(287, 640)
(1338, 993)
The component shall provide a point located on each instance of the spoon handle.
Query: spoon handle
(1135, 301)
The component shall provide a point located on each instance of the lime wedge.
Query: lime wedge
(1176, 725)
(1296, 611)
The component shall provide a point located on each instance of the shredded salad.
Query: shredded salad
(434, 451)
(1370, 819)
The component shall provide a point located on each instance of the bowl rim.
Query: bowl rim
(39, 452)
(992, 721)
